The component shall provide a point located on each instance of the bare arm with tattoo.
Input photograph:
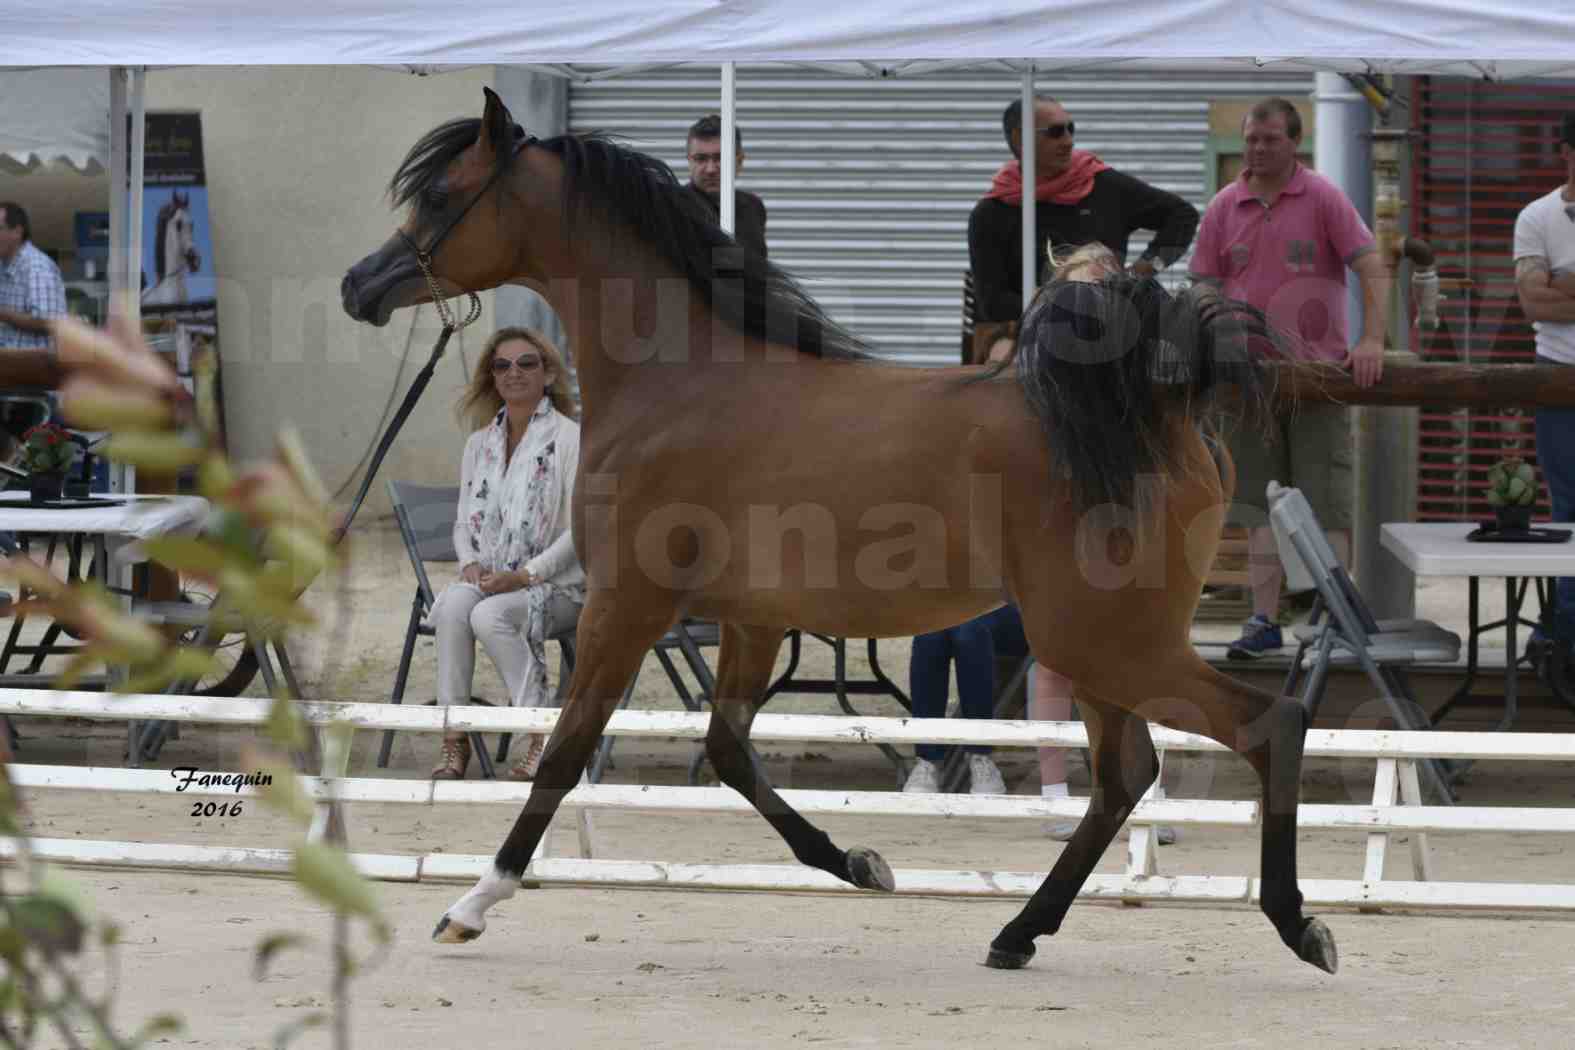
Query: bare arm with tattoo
(1540, 296)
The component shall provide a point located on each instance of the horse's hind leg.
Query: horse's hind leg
(1268, 731)
(1274, 748)
(1124, 765)
(1180, 690)
(743, 673)
(610, 647)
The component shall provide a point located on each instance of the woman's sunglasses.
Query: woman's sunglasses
(1055, 131)
(501, 365)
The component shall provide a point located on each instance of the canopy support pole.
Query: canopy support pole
(1029, 140)
(127, 146)
(729, 136)
(139, 141)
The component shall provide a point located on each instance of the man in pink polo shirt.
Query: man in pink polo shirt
(1281, 238)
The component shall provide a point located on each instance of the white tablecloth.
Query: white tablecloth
(139, 518)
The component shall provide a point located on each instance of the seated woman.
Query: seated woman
(520, 581)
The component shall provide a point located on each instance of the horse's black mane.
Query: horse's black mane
(640, 192)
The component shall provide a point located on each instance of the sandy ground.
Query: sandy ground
(591, 967)
(599, 968)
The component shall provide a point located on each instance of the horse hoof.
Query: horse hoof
(1318, 946)
(450, 931)
(868, 871)
(1001, 959)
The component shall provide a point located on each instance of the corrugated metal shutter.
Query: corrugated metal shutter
(1486, 151)
(868, 183)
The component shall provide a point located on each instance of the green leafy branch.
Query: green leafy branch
(269, 540)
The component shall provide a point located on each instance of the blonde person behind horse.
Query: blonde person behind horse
(1050, 694)
(519, 582)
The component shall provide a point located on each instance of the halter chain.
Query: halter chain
(440, 301)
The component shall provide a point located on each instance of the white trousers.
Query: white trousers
(463, 615)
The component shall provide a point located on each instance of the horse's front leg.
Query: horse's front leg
(743, 673)
(1125, 764)
(610, 648)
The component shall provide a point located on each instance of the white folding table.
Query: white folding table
(1441, 549)
(110, 531)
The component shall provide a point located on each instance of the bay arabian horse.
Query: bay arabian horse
(744, 460)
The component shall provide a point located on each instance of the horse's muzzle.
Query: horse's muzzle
(381, 283)
(359, 306)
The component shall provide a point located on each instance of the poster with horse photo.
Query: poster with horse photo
(178, 281)
(179, 287)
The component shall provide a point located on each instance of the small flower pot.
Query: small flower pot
(46, 488)
(1512, 519)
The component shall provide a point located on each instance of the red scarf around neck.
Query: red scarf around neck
(1069, 187)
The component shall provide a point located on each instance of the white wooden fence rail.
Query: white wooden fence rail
(1395, 807)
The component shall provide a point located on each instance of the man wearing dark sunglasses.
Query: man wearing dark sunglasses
(1079, 199)
(1545, 281)
(703, 150)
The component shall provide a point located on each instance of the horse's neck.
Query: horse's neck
(628, 314)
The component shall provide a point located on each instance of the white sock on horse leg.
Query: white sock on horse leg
(493, 887)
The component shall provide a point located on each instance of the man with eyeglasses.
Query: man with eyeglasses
(1545, 281)
(704, 152)
(1079, 199)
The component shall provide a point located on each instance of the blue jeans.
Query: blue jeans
(972, 645)
(1556, 457)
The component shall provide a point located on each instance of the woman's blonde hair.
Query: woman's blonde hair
(1089, 262)
(481, 400)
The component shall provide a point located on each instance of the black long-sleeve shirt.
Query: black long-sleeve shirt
(1117, 205)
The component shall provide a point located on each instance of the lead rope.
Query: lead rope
(419, 384)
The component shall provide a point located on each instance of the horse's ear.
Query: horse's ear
(495, 123)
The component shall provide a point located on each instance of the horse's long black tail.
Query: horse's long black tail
(1110, 366)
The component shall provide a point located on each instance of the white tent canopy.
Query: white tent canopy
(1477, 38)
(53, 113)
(1498, 38)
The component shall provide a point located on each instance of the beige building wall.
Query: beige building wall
(297, 161)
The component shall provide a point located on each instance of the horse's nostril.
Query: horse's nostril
(350, 297)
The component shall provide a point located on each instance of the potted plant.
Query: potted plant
(1512, 490)
(47, 454)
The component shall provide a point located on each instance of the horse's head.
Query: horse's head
(175, 247)
(449, 241)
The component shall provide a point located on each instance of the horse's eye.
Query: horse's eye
(436, 198)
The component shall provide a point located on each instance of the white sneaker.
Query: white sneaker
(983, 776)
(925, 778)
(1061, 830)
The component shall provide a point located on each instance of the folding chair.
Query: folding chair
(1343, 631)
(425, 515)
